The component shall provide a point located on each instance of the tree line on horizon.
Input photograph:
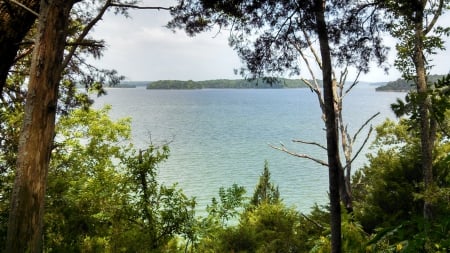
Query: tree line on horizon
(259, 83)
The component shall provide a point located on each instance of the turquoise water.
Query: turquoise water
(220, 137)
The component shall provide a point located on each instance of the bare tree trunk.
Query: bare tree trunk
(331, 127)
(36, 139)
(15, 22)
(427, 136)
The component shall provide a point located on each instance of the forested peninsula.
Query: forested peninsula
(402, 85)
(228, 84)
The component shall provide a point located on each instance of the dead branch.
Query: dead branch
(355, 82)
(284, 149)
(312, 221)
(316, 56)
(315, 88)
(311, 143)
(360, 148)
(364, 125)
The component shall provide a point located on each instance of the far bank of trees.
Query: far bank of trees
(406, 85)
(228, 84)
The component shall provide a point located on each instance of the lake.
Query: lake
(221, 137)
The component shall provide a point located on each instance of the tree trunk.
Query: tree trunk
(331, 127)
(427, 136)
(15, 22)
(36, 139)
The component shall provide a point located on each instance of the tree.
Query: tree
(27, 203)
(16, 19)
(389, 191)
(105, 196)
(161, 212)
(36, 138)
(414, 24)
(265, 191)
(87, 198)
(267, 36)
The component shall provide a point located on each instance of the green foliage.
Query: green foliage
(229, 205)
(103, 196)
(272, 227)
(389, 193)
(439, 88)
(160, 211)
(265, 191)
(384, 190)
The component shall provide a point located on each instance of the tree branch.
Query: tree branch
(355, 82)
(23, 6)
(85, 32)
(316, 56)
(364, 125)
(131, 6)
(435, 17)
(86, 43)
(315, 88)
(311, 143)
(284, 149)
(360, 148)
(312, 221)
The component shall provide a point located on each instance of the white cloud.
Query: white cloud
(141, 48)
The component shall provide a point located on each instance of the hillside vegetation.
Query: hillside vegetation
(402, 85)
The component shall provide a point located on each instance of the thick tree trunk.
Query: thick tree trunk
(35, 144)
(331, 127)
(15, 22)
(427, 136)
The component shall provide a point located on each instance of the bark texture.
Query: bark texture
(331, 128)
(36, 139)
(427, 124)
(15, 22)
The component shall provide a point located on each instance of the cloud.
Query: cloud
(141, 48)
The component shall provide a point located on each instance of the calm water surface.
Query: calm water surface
(221, 137)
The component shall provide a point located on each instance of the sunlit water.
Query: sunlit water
(220, 137)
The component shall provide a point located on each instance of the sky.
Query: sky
(142, 49)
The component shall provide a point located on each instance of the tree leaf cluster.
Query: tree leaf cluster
(389, 193)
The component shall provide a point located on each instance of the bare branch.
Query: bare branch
(360, 148)
(355, 82)
(312, 221)
(315, 88)
(365, 124)
(284, 149)
(316, 56)
(311, 143)
(24, 6)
